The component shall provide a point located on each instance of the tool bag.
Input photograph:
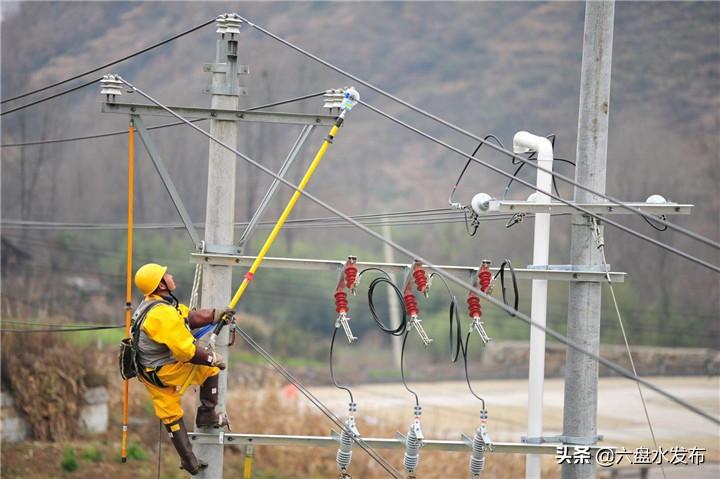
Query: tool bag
(128, 358)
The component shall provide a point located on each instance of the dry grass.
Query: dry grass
(265, 411)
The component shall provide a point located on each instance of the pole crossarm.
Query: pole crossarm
(221, 114)
(548, 272)
(556, 207)
(380, 443)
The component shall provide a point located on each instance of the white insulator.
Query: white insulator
(344, 452)
(656, 199)
(480, 202)
(413, 443)
(477, 459)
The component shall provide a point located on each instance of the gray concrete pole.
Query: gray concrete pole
(583, 326)
(219, 216)
(393, 301)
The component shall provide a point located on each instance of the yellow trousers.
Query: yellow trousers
(167, 400)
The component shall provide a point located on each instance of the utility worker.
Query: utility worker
(167, 355)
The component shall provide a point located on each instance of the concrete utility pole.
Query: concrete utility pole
(220, 210)
(583, 326)
(393, 302)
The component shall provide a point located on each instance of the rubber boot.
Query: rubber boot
(181, 441)
(206, 415)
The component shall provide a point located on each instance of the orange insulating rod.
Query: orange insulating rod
(128, 288)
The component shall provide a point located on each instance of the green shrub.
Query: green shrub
(93, 454)
(136, 452)
(69, 462)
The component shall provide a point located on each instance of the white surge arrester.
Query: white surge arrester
(524, 142)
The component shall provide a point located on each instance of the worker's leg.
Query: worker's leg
(166, 402)
(207, 378)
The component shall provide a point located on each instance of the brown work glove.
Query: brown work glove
(205, 358)
(223, 315)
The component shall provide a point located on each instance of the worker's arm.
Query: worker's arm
(165, 325)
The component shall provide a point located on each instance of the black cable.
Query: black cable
(64, 92)
(470, 135)
(402, 369)
(373, 312)
(462, 172)
(317, 403)
(467, 375)
(454, 318)
(658, 228)
(332, 372)
(501, 273)
(127, 57)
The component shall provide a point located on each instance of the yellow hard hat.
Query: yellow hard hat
(148, 277)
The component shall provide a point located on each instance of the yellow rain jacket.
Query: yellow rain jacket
(167, 325)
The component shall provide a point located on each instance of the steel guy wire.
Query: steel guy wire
(119, 60)
(550, 194)
(601, 247)
(166, 125)
(462, 131)
(514, 313)
(316, 402)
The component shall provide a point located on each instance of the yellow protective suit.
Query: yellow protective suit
(166, 325)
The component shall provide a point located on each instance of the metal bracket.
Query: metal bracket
(489, 447)
(223, 90)
(219, 114)
(222, 249)
(222, 68)
(557, 207)
(570, 440)
(167, 181)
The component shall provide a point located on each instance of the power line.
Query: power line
(119, 60)
(511, 311)
(91, 137)
(550, 194)
(166, 125)
(64, 92)
(462, 131)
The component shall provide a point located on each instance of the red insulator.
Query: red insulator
(485, 278)
(350, 275)
(341, 302)
(411, 306)
(420, 279)
(474, 308)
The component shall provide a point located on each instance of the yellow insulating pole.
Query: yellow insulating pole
(350, 98)
(128, 287)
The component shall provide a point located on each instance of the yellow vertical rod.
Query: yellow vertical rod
(128, 287)
(281, 221)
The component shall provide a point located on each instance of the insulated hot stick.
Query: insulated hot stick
(413, 310)
(350, 99)
(348, 277)
(482, 281)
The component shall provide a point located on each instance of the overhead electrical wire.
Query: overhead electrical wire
(156, 127)
(41, 100)
(462, 131)
(114, 62)
(530, 185)
(517, 314)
